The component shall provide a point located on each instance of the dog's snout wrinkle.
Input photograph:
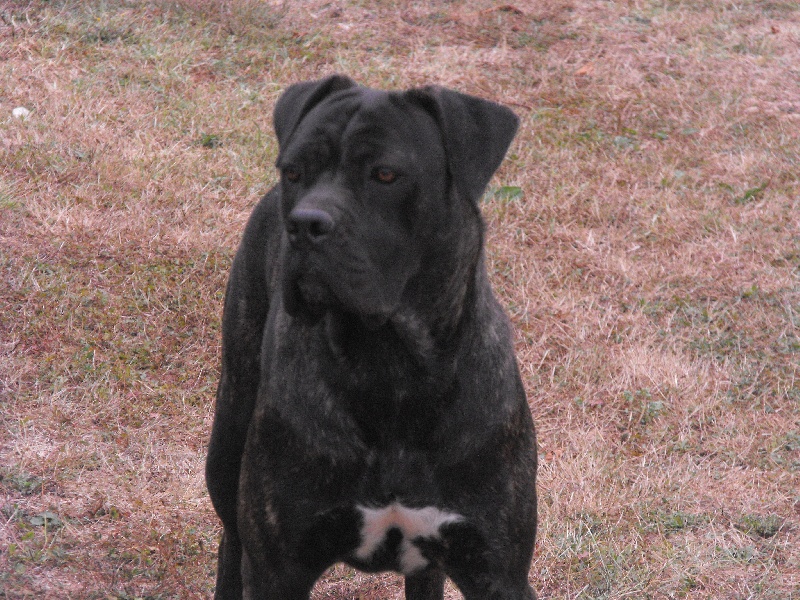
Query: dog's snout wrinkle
(308, 225)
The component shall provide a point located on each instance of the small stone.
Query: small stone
(20, 112)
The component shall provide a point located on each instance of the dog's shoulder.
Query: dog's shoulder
(252, 278)
(253, 266)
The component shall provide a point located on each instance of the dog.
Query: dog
(370, 408)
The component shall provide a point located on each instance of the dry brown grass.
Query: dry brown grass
(651, 265)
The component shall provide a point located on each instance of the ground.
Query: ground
(643, 233)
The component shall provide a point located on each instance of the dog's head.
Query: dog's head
(375, 186)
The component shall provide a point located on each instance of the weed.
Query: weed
(673, 522)
(751, 194)
(764, 527)
(20, 482)
(641, 408)
(210, 140)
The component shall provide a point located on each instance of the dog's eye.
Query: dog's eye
(384, 175)
(291, 174)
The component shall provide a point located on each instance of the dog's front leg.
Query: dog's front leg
(428, 585)
(229, 569)
(243, 320)
(265, 578)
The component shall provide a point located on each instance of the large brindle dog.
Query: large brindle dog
(370, 409)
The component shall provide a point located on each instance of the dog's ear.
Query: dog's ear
(298, 100)
(476, 134)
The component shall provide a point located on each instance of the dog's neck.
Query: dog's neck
(435, 301)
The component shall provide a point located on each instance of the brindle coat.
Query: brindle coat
(370, 408)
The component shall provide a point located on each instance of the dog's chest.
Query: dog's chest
(395, 535)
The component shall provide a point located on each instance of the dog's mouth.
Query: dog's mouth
(307, 297)
(304, 297)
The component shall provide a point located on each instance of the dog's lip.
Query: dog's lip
(298, 305)
(302, 305)
(308, 294)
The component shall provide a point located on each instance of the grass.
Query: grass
(643, 234)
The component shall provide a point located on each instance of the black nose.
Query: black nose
(308, 224)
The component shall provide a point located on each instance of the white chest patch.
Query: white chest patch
(411, 522)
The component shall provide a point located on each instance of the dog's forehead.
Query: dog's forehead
(390, 112)
(353, 115)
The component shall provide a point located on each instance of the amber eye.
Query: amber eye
(384, 175)
(291, 174)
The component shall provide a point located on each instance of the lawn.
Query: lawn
(643, 233)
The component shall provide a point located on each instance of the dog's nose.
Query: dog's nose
(308, 224)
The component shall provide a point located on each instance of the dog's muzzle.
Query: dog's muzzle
(305, 295)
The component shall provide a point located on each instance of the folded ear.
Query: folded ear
(476, 134)
(298, 100)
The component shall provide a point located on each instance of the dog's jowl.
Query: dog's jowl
(370, 409)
